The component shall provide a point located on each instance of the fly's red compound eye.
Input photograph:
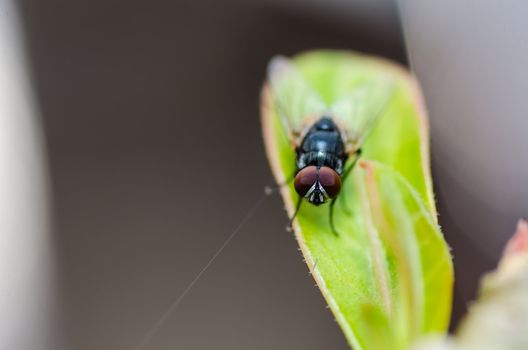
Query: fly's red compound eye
(305, 179)
(330, 181)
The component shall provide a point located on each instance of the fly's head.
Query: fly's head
(317, 184)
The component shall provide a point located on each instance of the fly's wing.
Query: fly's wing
(357, 112)
(296, 101)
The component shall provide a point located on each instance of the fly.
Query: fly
(327, 139)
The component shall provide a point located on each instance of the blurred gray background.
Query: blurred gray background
(150, 120)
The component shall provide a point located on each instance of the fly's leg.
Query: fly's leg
(289, 228)
(332, 225)
(346, 207)
(271, 189)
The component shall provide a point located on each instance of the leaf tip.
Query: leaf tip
(518, 243)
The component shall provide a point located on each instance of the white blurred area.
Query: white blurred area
(471, 59)
(26, 266)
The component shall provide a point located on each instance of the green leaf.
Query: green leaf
(388, 276)
(499, 318)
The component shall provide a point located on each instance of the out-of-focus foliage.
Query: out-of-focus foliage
(498, 320)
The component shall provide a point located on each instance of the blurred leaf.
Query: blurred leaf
(498, 320)
(388, 276)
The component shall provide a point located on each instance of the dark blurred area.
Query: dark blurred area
(151, 123)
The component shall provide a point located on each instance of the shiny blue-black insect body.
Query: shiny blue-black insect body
(322, 146)
(320, 162)
(320, 159)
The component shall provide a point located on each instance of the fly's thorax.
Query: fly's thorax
(320, 159)
(323, 141)
(321, 146)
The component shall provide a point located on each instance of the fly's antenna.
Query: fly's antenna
(289, 228)
(147, 337)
